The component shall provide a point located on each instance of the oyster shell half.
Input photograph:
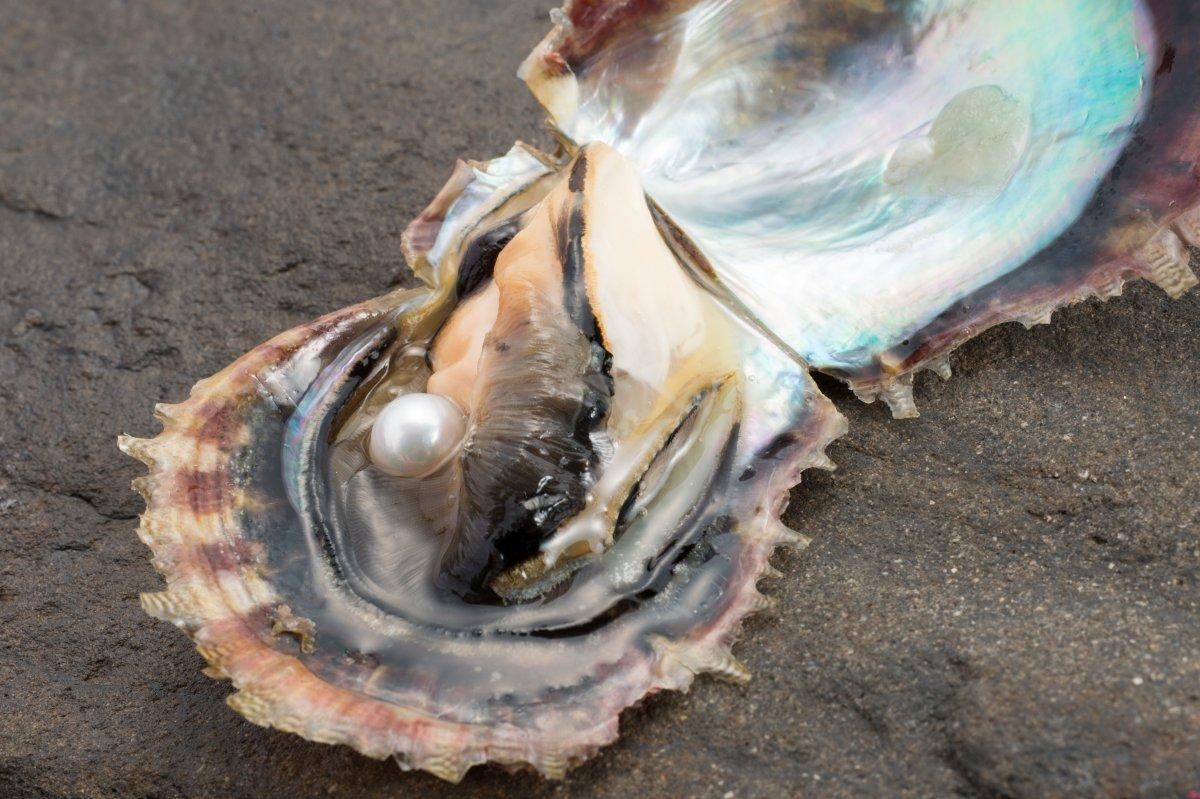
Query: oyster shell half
(876, 182)
(598, 535)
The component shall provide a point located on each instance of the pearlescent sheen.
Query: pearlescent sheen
(415, 434)
(851, 170)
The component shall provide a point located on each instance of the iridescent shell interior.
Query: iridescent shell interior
(618, 339)
(875, 182)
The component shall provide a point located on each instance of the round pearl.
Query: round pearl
(415, 434)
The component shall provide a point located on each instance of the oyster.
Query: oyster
(475, 520)
(876, 182)
(597, 535)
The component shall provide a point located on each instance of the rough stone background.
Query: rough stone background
(1002, 597)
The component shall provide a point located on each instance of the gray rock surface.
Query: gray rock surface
(1003, 597)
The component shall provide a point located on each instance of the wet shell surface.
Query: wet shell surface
(475, 520)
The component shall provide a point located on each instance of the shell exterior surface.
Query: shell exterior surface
(877, 182)
(306, 576)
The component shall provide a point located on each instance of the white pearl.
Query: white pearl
(415, 434)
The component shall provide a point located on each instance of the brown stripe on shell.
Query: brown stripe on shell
(201, 492)
(232, 555)
(594, 23)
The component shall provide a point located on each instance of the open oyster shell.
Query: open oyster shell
(310, 578)
(876, 182)
(859, 185)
